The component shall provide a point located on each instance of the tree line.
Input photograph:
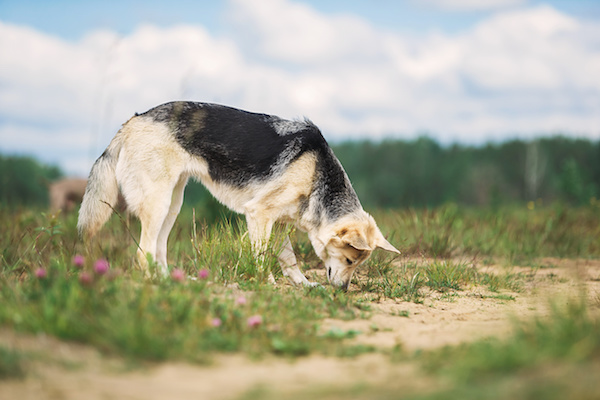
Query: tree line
(421, 173)
(397, 173)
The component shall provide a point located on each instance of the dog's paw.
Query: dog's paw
(310, 284)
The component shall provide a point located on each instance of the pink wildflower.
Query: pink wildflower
(41, 273)
(85, 278)
(216, 322)
(240, 301)
(101, 266)
(78, 260)
(203, 274)
(254, 321)
(178, 275)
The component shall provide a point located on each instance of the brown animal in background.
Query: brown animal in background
(66, 193)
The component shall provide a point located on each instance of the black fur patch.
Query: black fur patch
(241, 147)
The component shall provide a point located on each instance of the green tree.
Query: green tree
(24, 181)
(576, 186)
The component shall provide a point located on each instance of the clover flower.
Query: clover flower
(241, 301)
(203, 274)
(41, 273)
(254, 321)
(178, 275)
(78, 260)
(101, 266)
(85, 278)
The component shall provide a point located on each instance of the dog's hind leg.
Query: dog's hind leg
(174, 208)
(153, 213)
(289, 265)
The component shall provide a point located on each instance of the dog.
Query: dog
(267, 168)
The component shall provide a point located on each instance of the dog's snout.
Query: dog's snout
(341, 285)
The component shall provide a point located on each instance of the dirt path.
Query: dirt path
(70, 371)
(467, 315)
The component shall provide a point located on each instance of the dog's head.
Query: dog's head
(348, 243)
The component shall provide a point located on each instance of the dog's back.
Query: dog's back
(241, 147)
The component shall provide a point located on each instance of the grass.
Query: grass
(169, 320)
(515, 234)
(409, 280)
(11, 363)
(235, 309)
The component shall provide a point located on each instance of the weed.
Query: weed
(443, 276)
(401, 313)
(503, 297)
(404, 284)
(507, 280)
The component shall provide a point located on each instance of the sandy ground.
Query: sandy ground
(70, 371)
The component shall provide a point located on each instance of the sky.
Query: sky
(458, 71)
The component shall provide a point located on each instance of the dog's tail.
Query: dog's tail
(102, 191)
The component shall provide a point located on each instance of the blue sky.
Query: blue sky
(71, 19)
(466, 71)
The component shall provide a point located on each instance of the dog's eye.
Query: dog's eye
(348, 261)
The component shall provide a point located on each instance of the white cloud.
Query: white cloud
(295, 33)
(472, 5)
(525, 71)
(518, 62)
(523, 50)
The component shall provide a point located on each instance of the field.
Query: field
(494, 303)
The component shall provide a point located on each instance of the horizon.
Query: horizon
(373, 141)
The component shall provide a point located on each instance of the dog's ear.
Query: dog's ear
(353, 239)
(357, 242)
(382, 243)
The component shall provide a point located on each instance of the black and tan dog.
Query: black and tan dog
(262, 166)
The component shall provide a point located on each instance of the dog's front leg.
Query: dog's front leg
(289, 265)
(259, 230)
